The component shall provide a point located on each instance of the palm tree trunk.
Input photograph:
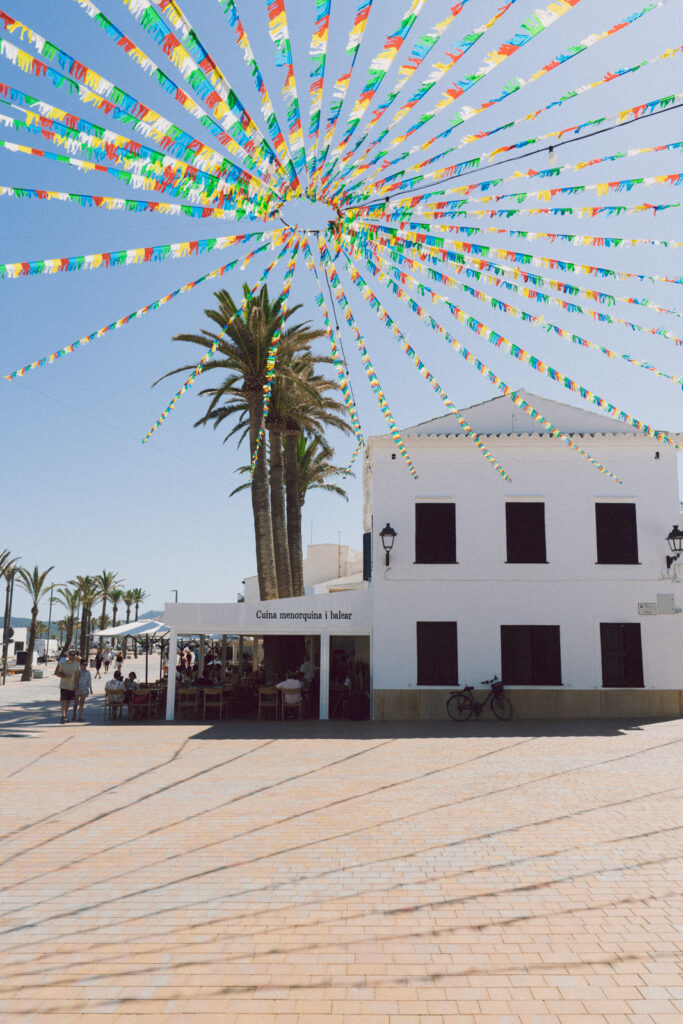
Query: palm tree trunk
(27, 674)
(135, 643)
(104, 612)
(279, 515)
(84, 630)
(125, 639)
(260, 504)
(113, 616)
(296, 556)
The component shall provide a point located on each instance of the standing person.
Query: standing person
(98, 664)
(83, 688)
(67, 673)
(107, 660)
(119, 662)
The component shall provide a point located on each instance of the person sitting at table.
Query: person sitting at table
(291, 688)
(115, 685)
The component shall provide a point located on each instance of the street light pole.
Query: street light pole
(49, 626)
(176, 595)
(6, 622)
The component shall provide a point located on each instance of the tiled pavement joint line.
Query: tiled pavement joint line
(385, 860)
(40, 757)
(103, 792)
(117, 810)
(233, 800)
(149, 796)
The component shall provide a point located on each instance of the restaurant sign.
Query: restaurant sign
(304, 616)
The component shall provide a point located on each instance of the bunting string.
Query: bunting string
(455, 53)
(203, 74)
(225, 122)
(341, 86)
(129, 257)
(517, 352)
(518, 314)
(365, 358)
(318, 54)
(497, 381)
(530, 30)
(337, 361)
(104, 95)
(382, 249)
(151, 307)
(279, 33)
(397, 182)
(276, 135)
(407, 348)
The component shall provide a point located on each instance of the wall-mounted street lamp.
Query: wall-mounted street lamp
(388, 536)
(675, 539)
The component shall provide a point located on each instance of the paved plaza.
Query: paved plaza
(338, 873)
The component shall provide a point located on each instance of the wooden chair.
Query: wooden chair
(186, 702)
(295, 709)
(213, 699)
(113, 705)
(141, 704)
(268, 699)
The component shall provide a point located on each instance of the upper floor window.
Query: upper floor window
(435, 532)
(525, 529)
(617, 538)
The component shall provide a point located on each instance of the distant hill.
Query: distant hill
(15, 622)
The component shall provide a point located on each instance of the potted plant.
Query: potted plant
(359, 691)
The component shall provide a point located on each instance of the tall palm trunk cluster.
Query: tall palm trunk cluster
(303, 405)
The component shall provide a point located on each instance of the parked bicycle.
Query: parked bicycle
(461, 705)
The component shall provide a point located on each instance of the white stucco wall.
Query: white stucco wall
(481, 592)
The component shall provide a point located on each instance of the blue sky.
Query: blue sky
(80, 490)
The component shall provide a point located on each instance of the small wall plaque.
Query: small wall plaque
(647, 608)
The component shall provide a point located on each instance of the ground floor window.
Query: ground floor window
(437, 654)
(530, 655)
(622, 654)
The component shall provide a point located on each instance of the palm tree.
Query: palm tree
(315, 468)
(88, 592)
(7, 563)
(139, 595)
(242, 354)
(69, 598)
(106, 581)
(34, 584)
(115, 596)
(129, 601)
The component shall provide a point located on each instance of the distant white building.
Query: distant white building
(324, 564)
(555, 581)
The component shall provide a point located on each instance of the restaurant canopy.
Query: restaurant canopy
(142, 627)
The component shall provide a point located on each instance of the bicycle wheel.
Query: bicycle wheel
(502, 707)
(459, 707)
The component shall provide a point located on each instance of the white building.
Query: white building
(324, 565)
(555, 581)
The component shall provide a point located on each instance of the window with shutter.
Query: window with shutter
(525, 529)
(530, 655)
(437, 654)
(616, 534)
(435, 532)
(622, 654)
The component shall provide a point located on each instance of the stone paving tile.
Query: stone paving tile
(337, 873)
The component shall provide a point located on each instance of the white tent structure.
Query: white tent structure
(142, 627)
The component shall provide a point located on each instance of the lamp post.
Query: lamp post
(387, 536)
(49, 625)
(675, 539)
(176, 595)
(7, 628)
